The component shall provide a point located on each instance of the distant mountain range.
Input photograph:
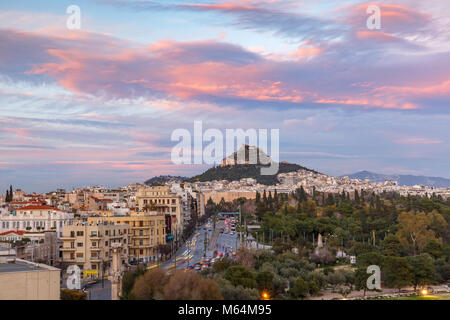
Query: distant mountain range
(403, 180)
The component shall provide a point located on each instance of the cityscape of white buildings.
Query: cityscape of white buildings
(289, 182)
(42, 218)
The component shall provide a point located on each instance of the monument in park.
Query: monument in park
(116, 274)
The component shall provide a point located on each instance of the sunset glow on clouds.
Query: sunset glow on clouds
(98, 105)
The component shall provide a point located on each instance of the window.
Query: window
(174, 209)
(80, 233)
(141, 242)
(79, 244)
(106, 232)
(80, 255)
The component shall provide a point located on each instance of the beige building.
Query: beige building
(147, 231)
(229, 196)
(163, 201)
(89, 245)
(24, 280)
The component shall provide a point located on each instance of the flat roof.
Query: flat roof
(19, 266)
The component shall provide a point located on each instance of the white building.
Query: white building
(35, 218)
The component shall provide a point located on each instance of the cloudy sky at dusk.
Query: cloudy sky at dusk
(97, 106)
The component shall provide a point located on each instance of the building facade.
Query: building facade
(162, 200)
(35, 218)
(147, 232)
(89, 245)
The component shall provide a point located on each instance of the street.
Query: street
(194, 250)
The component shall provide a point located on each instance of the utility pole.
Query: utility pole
(205, 245)
(240, 225)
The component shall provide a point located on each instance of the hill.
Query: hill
(161, 180)
(403, 180)
(239, 171)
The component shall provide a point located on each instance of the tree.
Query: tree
(433, 248)
(240, 275)
(422, 270)
(150, 286)
(361, 277)
(264, 280)
(335, 279)
(391, 246)
(397, 272)
(370, 258)
(189, 285)
(300, 289)
(414, 230)
(230, 292)
(222, 264)
(68, 294)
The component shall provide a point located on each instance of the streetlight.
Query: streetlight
(265, 295)
(424, 292)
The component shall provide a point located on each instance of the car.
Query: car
(189, 267)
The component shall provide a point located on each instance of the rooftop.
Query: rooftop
(23, 266)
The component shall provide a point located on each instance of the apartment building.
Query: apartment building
(89, 245)
(162, 200)
(147, 231)
(35, 218)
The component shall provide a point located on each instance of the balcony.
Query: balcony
(143, 227)
(95, 259)
(95, 248)
(116, 236)
(140, 236)
(67, 238)
(67, 249)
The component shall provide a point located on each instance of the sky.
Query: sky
(97, 105)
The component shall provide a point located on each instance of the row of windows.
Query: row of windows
(28, 224)
(94, 243)
(160, 201)
(97, 234)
